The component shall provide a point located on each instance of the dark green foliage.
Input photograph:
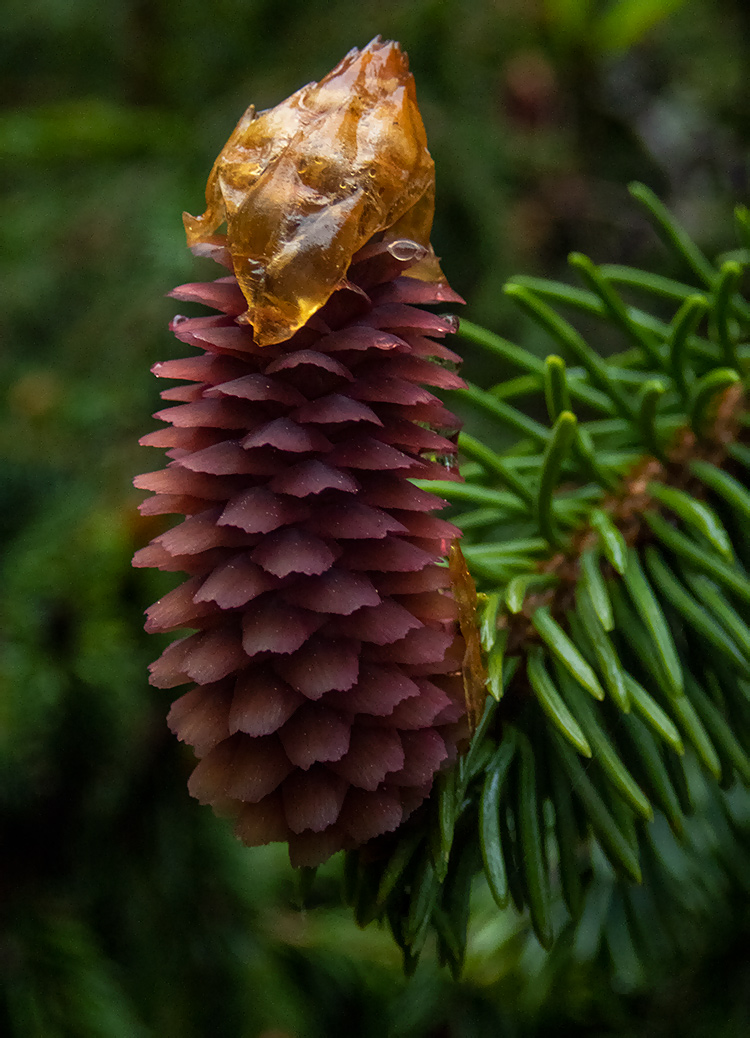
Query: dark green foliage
(613, 617)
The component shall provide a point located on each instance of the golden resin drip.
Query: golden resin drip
(306, 184)
(473, 669)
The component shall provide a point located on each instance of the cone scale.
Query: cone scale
(324, 668)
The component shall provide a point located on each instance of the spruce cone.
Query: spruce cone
(326, 658)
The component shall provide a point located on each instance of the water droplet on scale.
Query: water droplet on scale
(406, 250)
(177, 320)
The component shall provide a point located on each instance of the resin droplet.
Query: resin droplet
(306, 184)
(473, 670)
(406, 251)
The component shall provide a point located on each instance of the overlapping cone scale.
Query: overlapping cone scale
(325, 664)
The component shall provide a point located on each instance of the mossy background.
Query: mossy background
(125, 908)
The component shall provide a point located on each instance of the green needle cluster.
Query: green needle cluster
(611, 551)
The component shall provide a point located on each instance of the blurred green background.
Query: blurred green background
(127, 910)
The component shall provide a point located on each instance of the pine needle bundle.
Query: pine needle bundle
(610, 548)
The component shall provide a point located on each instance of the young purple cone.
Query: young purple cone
(326, 660)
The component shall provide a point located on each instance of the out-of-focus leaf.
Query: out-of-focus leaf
(626, 22)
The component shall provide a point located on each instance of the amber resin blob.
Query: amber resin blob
(325, 667)
(304, 185)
